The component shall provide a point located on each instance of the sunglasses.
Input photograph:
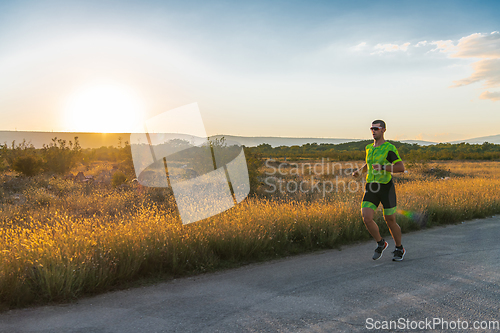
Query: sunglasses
(376, 128)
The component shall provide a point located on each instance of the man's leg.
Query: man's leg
(390, 205)
(370, 203)
(393, 228)
(370, 224)
(372, 228)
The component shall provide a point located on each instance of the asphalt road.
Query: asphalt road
(449, 274)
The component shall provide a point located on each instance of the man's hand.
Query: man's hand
(359, 171)
(377, 167)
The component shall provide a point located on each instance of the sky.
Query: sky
(326, 69)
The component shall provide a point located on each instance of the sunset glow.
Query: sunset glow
(103, 108)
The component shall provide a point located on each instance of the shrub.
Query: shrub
(118, 179)
(60, 158)
(28, 165)
(23, 158)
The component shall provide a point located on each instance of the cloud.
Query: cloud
(382, 48)
(479, 46)
(473, 46)
(444, 46)
(487, 70)
(494, 96)
(483, 46)
(359, 47)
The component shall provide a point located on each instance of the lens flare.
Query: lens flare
(418, 218)
(408, 214)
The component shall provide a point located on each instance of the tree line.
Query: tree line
(356, 151)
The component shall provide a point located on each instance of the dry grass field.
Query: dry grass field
(61, 239)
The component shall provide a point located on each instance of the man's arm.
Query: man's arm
(394, 168)
(358, 172)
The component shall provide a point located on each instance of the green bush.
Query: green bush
(118, 179)
(22, 158)
(59, 157)
(28, 165)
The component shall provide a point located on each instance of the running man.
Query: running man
(382, 159)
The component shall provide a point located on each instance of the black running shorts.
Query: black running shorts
(376, 193)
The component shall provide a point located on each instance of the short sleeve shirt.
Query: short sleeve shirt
(385, 154)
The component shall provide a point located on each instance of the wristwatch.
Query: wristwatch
(383, 167)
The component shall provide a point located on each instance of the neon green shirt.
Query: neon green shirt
(385, 154)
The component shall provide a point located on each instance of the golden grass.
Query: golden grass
(66, 240)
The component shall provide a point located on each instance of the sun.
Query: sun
(104, 108)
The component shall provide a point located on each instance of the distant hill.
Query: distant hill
(87, 140)
(418, 142)
(491, 139)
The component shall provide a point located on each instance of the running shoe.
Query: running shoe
(398, 254)
(379, 250)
